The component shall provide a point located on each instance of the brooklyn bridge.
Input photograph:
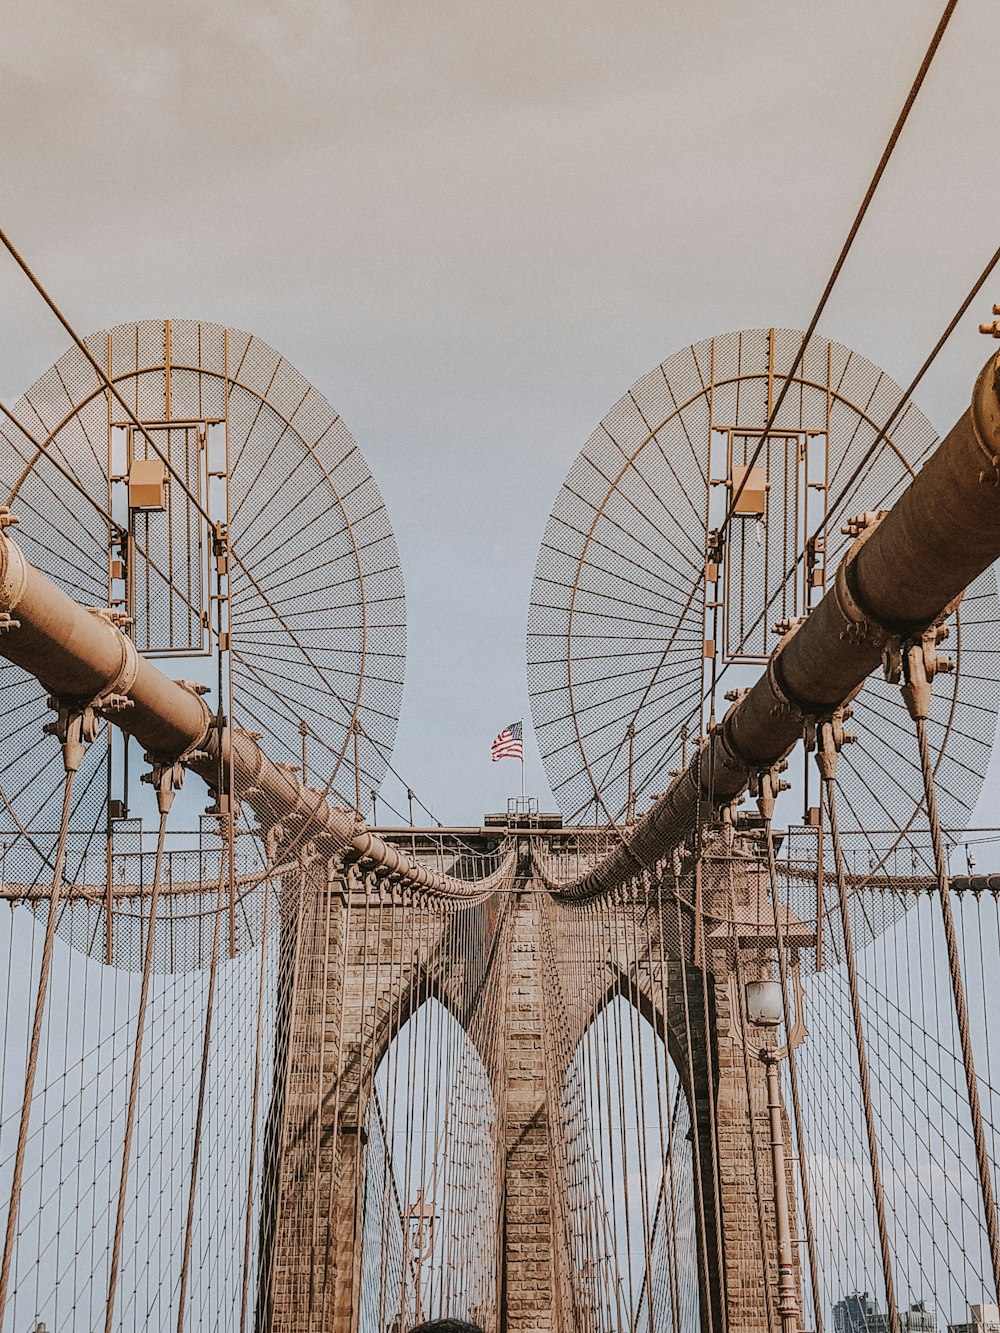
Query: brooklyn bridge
(703, 1044)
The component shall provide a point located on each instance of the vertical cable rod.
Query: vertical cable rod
(34, 1045)
(983, 1163)
(255, 1101)
(202, 1088)
(133, 1095)
(793, 1075)
(828, 792)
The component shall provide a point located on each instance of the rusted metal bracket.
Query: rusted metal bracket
(827, 736)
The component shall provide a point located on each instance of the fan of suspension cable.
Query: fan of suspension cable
(216, 502)
(644, 618)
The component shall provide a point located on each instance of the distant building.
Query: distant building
(858, 1313)
(985, 1319)
(920, 1318)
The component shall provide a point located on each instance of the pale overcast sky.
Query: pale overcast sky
(474, 226)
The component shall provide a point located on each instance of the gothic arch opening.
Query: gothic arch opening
(630, 1185)
(431, 1201)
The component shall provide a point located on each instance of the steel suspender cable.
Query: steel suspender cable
(793, 1075)
(759, 1192)
(164, 793)
(202, 1089)
(827, 789)
(985, 1166)
(255, 1107)
(36, 1035)
(699, 1166)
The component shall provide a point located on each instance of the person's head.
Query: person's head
(447, 1326)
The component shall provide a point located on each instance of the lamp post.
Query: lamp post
(765, 1008)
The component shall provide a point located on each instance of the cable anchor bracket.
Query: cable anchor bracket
(766, 785)
(827, 736)
(7, 520)
(167, 778)
(74, 728)
(912, 664)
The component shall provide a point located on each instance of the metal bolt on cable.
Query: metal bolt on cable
(786, 625)
(854, 527)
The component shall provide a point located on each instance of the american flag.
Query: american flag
(508, 744)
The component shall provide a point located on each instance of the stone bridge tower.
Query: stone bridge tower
(360, 959)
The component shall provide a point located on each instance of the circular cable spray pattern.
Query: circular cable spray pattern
(243, 536)
(642, 622)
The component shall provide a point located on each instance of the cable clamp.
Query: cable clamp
(787, 625)
(985, 414)
(224, 807)
(273, 838)
(729, 814)
(784, 706)
(193, 687)
(115, 695)
(13, 569)
(861, 624)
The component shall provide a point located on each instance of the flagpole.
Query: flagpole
(522, 763)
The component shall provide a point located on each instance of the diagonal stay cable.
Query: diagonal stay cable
(113, 390)
(74, 481)
(838, 266)
(873, 185)
(904, 400)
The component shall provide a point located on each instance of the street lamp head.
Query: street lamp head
(764, 1003)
